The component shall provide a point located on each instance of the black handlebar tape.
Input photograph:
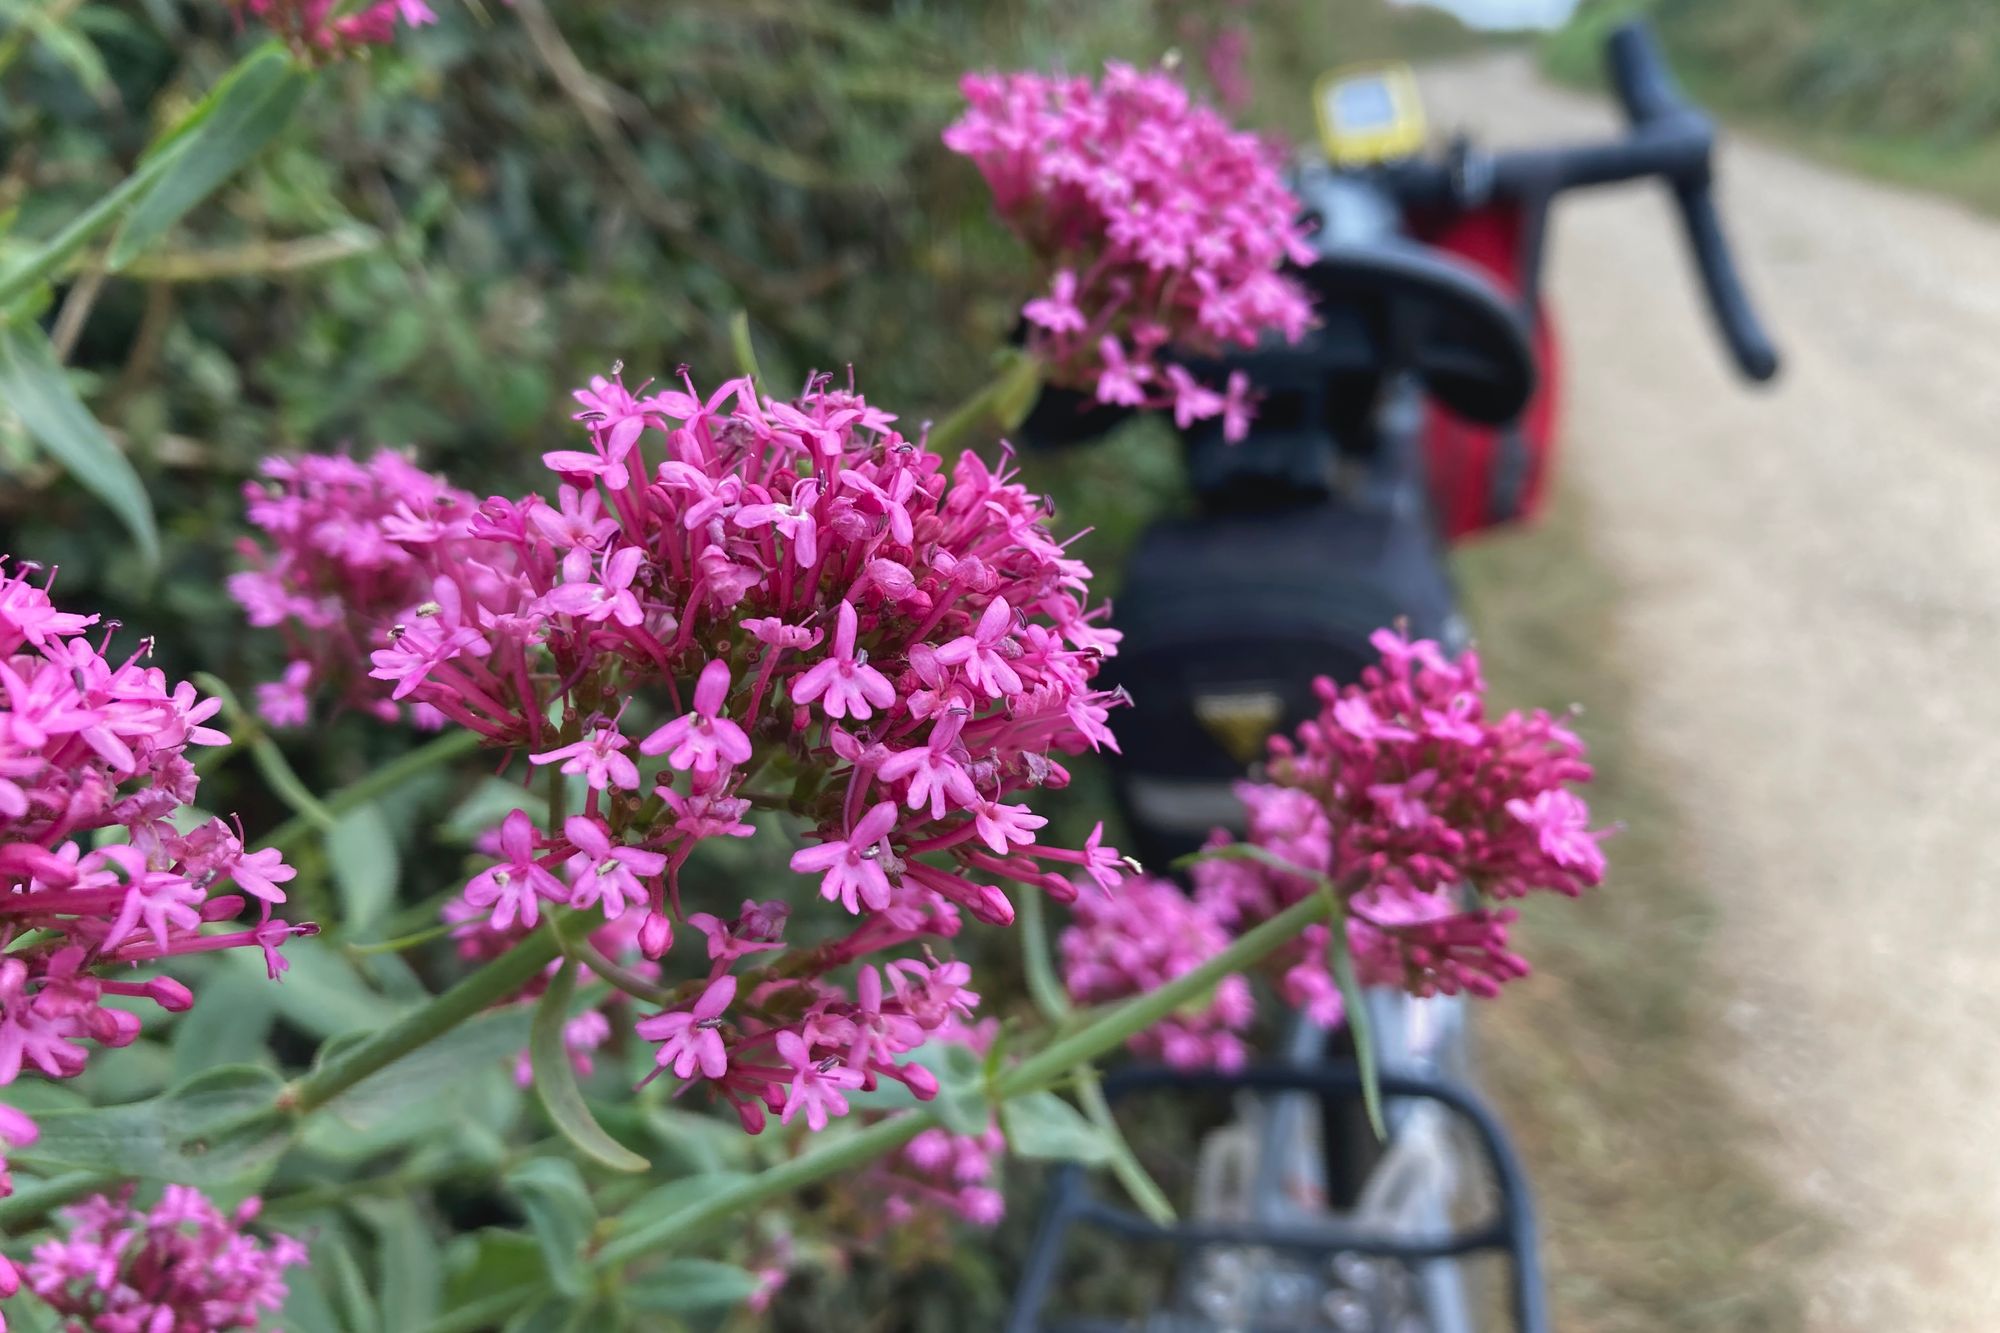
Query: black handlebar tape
(1644, 84)
(1737, 319)
(1647, 90)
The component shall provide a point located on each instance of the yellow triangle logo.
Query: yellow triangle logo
(1241, 721)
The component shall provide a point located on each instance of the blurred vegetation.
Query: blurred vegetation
(450, 235)
(1905, 90)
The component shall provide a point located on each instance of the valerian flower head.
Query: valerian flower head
(91, 747)
(1156, 223)
(182, 1267)
(1420, 808)
(733, 600)
(318, 29)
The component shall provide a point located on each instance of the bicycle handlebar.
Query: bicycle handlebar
(1652, 100)
(1669, 138)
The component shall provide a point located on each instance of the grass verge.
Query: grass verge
(1656, 1213)
(1907, 93)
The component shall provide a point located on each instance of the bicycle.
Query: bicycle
(1421, 410)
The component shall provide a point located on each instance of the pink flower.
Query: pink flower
(851, 688)
(691, 1039)
(514, 888)
(437, 635)
(986, 667)
(599, 757)
(610, 598)
(759, 928)
(283, 703)
(794, 520)
(853, 865)
(816, 1084)
(1120, 380)
(702, 740)
(602, 871)
(1001, 826)
(1561, 823)
(183, 1266)
(1057, 312)
(935, 774)
(1193, 400)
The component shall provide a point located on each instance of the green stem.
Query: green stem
(1125, 1165)
(1127, 1020)
(579, 947)
(270, 760)
(1003, 400)
(1340, 961)
(744, 348)
(450, 746)
(22, 276)
(1037, 962)
(34, 1199)
(1037, 1072)
(878, 1139)
(402, 942)
(475, 994)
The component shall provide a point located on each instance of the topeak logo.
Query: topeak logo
(1241, 720)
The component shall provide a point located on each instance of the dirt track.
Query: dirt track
(1814, 624)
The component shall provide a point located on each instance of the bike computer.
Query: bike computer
(1369, 114)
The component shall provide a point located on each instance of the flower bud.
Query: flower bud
(169, 994)
(656, 936)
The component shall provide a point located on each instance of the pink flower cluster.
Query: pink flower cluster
(1141, 938)
(738, 601)
(346, 554)
(938, 1178)
(183, 1267)
(1419, 806)
(92, 746)
(315, 28)
(1157, 223)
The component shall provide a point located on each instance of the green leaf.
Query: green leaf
(555, 1079)
(361, 849)
(670, 1198)
(227, 1025)
(961, 1102)
(1341, 959)
(322, 992)
(35, 388)
(490, 1260)
(695, 1142)
(561, 1215)
(1043, 1126)
(232, 125)
(434, 1072)
(406, 1262)
(551, 1316)
(307, 1308)
(689, 1286)
(350, 1282)
(204, 1132)
(331, 1273)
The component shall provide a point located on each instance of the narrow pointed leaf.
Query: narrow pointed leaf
(555, 1079)
(561, 1216)
(231, 126)
(35, 388)
(1341, 959)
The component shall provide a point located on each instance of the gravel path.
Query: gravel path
(1815, 629)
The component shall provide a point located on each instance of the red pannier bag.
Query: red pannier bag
(1482, 477)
